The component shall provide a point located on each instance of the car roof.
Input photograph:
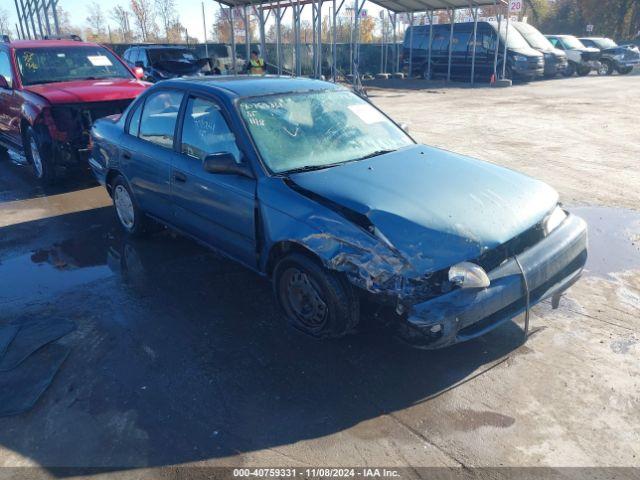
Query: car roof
(592, 38)
(180, 47)
(49, 43)
(250, 86)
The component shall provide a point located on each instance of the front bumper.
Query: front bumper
(551, 266)
(627, 63)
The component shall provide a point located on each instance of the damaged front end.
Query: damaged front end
(434, 309)
(71, 128)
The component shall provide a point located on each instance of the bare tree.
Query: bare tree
(4, 22)
(96, 19)
(144, 17)
(121, 16)
(166, 10)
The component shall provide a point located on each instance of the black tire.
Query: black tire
(39, 151)
(625, 70)
(137, 225)
(606, 68)
(583, 71)
(315, 300)
(570, 70)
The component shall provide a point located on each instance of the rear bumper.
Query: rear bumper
(550, 267)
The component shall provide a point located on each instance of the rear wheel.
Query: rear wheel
(570, 70)
(583, 71)
(315, 300)
(38, 150)
(130, 217)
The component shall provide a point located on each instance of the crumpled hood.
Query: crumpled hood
(85, 91)
(435, 207)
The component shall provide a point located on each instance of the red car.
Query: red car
(51, 91)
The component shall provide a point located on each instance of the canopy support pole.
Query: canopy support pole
(410, 74)
(452, 18)
(430, 44)
(497, 45)
(506, 41)
(475, 37)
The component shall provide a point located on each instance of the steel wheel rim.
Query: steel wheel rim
(35, 156)
(304, 299)
(124, 206)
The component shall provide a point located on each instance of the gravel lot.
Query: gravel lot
(180, 357)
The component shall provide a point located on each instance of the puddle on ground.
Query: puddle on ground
(614, 239)
(43, 273)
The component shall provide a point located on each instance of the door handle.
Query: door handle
(180, 177)
(126, 155)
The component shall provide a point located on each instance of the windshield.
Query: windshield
(572, 43)
(318, 129)
(604, 43)
(171, 55)
(515, 40)
(533, 36)
(63, 64)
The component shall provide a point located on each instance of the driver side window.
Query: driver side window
(5, 68)
(205, 131)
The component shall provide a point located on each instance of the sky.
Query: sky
(190, 12)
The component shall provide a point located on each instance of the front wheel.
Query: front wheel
(315, 300)
(625, 70)
(39, 155)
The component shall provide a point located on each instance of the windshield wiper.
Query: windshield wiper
(376, 154)
(310, 168)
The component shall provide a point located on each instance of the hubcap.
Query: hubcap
(304, 299)
(124, 207)
(604, 69)
(37, 160)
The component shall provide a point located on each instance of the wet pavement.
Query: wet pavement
(181, 356)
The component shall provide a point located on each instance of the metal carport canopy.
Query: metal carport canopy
(393, 5)
(423, 5)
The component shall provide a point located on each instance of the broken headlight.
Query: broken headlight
(553, 220)
(468, 275)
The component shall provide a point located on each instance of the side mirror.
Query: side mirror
(405, 127)
(139, 73)
(4, 84)
(224, 163)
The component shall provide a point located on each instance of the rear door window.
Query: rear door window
(159, 116)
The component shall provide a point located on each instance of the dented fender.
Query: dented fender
(290, 217)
